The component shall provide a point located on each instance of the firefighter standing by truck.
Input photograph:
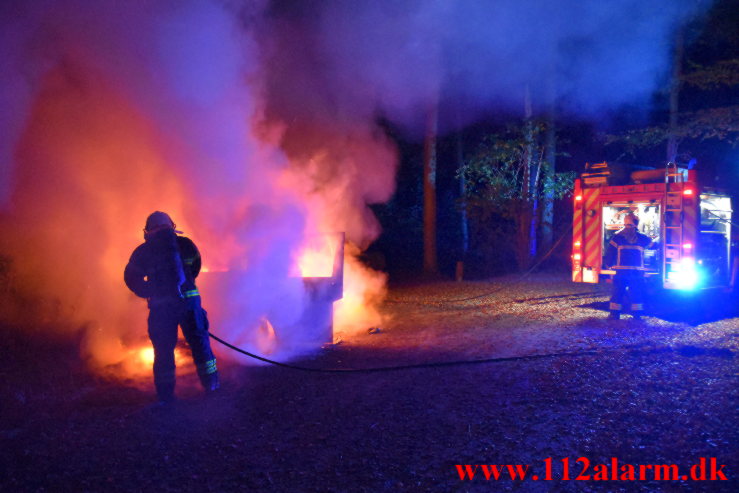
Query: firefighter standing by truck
(163, 270)
(625, 255)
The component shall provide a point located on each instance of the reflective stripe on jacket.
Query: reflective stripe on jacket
(149, 270)
(623, 254)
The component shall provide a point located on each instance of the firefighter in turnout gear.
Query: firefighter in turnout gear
(625, 255)
(163, 270)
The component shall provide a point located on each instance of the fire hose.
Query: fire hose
(437, 364)
(432, 364)
(600, 351)
(524, 275)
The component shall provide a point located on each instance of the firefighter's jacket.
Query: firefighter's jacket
(163, 268)
(628, 255)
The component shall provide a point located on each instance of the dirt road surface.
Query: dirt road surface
(558, 381)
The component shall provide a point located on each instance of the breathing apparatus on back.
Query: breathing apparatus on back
(161, 233)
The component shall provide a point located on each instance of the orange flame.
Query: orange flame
(364, 290)
(140, 361)
(146, 355)
(317, 257)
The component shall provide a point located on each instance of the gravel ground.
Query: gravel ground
(557, 380)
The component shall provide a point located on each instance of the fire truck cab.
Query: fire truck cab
(691, 225)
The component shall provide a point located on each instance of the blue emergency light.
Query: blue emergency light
(685, 274)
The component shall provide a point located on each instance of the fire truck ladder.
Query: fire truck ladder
(673, 218)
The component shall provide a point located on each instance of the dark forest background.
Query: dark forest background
(700, 94)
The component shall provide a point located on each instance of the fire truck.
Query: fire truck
(690, 223)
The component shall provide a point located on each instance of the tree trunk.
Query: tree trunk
(430, 265)
(677, 60)
(547, 211)
(464, 221)
(523, 235)
(531, 178)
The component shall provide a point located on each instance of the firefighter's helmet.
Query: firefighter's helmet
(158, 221)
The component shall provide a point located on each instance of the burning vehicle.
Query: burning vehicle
(690, 222)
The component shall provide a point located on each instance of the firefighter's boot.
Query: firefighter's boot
(211, 383)
(165, 390)
(208, 374)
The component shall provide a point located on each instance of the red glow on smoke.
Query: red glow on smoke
(112, 127)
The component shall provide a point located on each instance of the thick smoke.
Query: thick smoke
(119, 111)
(255, 126)
(348, 60)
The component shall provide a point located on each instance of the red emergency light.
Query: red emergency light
(688, 191)
(578, 198)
